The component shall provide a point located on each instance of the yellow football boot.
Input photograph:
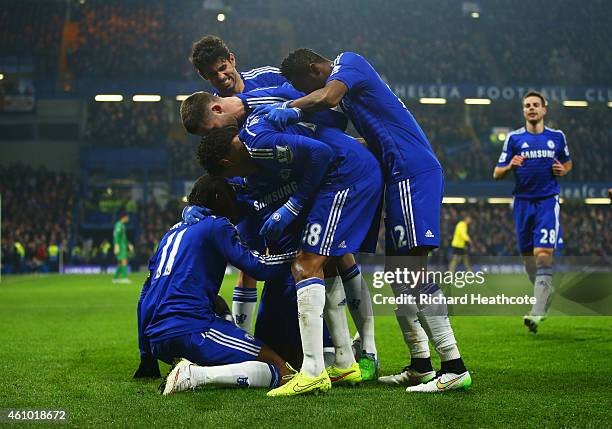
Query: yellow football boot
(301, 383)
(351, 375)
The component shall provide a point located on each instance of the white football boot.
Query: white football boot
(444, 382)
(408, 377)
(533, 322)
(178, 380)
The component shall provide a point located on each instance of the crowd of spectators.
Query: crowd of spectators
(409, 42)
(38, 225)
(585, 229)
(37, 213)
(31, 31)
(154, 221)
(468, 150)
(491, 230)
(127, 124)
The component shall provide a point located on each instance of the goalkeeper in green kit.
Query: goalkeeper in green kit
(121, 248)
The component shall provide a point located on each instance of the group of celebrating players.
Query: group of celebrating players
(289, 198)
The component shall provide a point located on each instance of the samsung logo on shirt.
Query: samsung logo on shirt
(280, 194)
(531, 154)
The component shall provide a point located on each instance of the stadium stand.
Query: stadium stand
(467, 152)
(50, 200)
(138, 39)
(73, 43)
(37, 212)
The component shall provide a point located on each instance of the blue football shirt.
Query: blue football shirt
(382, 119)
(535, 178)
(261, 77)
(294, 152)
(187, 271)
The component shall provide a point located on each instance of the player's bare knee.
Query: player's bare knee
(543, 256)
(297, 270)
(332, 267)
(303, 269)
(420, 251)
(306, 266)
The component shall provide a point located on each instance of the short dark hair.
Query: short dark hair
(194, 110)
(297, 63)
(215, 147)
(207, 51)
(211, 192)
(536, 94)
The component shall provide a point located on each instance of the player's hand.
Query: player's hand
(558, 168)
(116, 249)
(264, 109)
(280, 219)
(516, 161)
(194, 214)
(148, 368)
(283, 115)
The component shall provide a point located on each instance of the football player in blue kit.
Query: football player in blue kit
(537, 155)
(334, 201)
(176, 310)
(413, 195)
(203, 112)
(215, 63)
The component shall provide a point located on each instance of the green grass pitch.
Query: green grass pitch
(70, 343)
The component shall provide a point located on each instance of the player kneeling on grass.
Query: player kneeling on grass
(176, 314)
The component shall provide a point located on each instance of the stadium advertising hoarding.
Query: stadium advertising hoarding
(17, 94)
(407, 90)
(569, 190)
(497, 92)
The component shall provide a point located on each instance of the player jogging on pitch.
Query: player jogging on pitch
(537, 155)
(413, 195)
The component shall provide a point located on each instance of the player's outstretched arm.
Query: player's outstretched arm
(328, 96)
(316, 156)
(260, 267)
